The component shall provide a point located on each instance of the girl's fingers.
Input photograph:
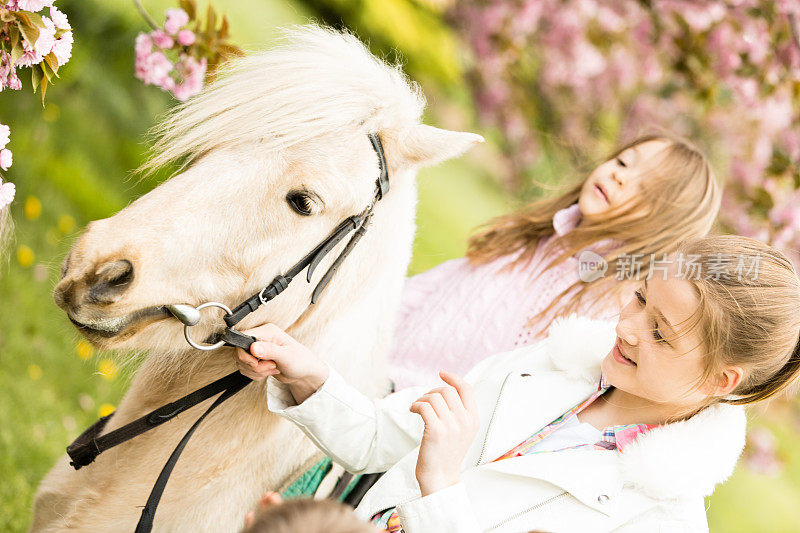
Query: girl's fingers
(269, 332)
(246, 357)
(267, 349)
(463, 388)
(425, 410)
(452, 398)
(260, 351)
(439, 405)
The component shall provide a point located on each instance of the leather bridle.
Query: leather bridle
(85, 449)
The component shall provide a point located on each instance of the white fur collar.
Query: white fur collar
(687, 458)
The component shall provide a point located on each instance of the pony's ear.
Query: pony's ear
(426, 145)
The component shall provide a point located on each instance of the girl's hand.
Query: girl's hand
(451, 422)
(277, 354)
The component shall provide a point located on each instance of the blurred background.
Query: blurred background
(552, 84)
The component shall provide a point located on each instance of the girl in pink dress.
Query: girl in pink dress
(522, 270)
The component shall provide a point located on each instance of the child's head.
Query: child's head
(647, 197)
(651, 194)
(652, 172)
(306, 515)
(721, 326)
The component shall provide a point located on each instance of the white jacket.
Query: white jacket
(658, 483)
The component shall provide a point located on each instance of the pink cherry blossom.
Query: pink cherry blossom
(761, 453)
(33, 5)
(7, 193)
(5, 135)
(162, 40)
(144, 44)
(176, 19)
(154, 69)
(47, 37)
(62, 49)
(59, 19)
(6, 158)
(14, 82)
(193, 73)
(29, 56)
(186, 38)
(5, 70)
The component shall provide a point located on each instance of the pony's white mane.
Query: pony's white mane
(316, 81)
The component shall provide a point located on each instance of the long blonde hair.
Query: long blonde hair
(749, 317)
(680, 200)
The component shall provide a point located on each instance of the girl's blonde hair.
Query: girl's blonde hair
(749, 313)
(680, 200)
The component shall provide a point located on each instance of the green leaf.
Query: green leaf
(223, 31)
(44, 89)
(22, 16)
(36, 76)
(32, 18)
(29, 33)
(52, 62)
(15, 43)
(47, 72)
(762, 198)
(190, 7)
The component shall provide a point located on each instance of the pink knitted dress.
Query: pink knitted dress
(456, 314)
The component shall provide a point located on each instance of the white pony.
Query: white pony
(277, 155)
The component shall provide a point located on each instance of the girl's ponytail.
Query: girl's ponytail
(783, 379)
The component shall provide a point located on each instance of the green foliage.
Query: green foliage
(428, 45)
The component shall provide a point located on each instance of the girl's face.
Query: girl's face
(618, 180)
(652, 358)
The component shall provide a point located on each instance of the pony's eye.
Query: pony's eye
(302, 202)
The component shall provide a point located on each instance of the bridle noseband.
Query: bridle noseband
(85, 449)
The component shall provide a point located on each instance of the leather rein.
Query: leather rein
(85, 449)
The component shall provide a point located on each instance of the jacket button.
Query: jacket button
(602, 498)
(525, 375)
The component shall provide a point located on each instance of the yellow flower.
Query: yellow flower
(35, 372)
(84, 349)
(105, 409)
(25, 255)
(107, 369)
(66, 224)
(33, 208)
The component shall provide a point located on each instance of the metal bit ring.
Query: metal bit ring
(205, 347)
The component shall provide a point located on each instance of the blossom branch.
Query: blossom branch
(145, 15)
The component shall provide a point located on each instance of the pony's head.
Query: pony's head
(275, 155)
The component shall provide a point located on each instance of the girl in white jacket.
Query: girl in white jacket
(596, 428)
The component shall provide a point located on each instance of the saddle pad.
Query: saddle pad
(306, 485)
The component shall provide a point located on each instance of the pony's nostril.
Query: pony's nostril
(112, 280)
(119, 273)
